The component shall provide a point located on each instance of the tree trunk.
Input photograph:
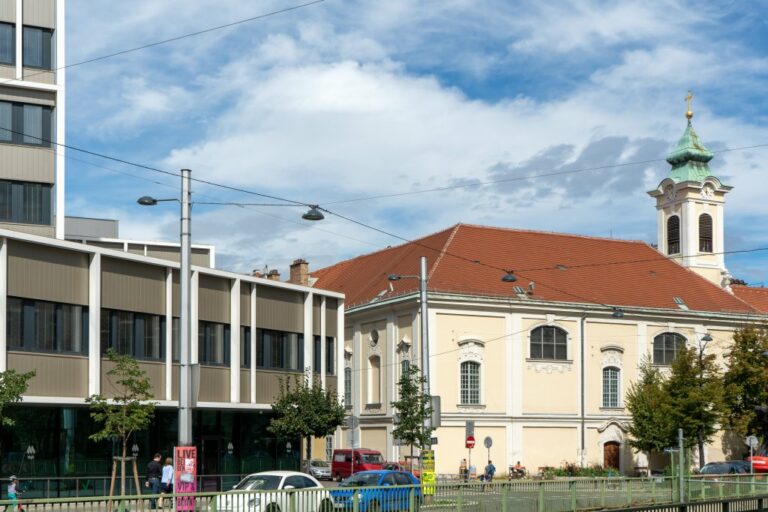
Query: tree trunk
(122, 467)
(700, 440)
(309, 451)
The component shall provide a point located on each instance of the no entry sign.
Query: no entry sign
(470, 442)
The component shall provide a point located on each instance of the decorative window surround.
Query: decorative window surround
(549, 367)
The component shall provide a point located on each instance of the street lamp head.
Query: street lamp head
(313, 213)
(147, 201)
(394, 277)
(706, 338)
(617, 313)
(509, 277)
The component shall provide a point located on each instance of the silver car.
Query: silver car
(275, 491)
(319, 469)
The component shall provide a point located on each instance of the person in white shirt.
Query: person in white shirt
(166, 481)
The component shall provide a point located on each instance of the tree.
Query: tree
(651, 430)
(412, 408)
(746, 381)
(305, 410)
(12, 386)
(130, 410)
(696, 396)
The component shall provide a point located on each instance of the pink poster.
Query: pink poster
(185, 476)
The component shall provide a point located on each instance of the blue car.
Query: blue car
(378, 491)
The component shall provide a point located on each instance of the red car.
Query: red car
(759, 462)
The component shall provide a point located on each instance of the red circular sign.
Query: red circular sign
(470, 441)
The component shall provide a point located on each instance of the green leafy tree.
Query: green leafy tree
(12, 386)
(130, 410)
(647, 402)
(305, 410)
(413, 407)
(695, 390)
(746, 381)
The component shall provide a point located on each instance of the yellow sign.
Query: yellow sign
(428, 476)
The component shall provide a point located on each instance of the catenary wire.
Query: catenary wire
(170, 40)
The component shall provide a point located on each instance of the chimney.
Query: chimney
(257, 273)
(273, 275)
(299, 272)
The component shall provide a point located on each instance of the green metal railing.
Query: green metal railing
(567, 495)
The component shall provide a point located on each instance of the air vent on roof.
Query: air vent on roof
(680, 303)
(561, 267)
(519, 290)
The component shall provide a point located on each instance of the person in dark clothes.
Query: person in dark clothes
(154, 473)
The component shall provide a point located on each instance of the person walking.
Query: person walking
(154, 473)
(14, 494)
(166, 482)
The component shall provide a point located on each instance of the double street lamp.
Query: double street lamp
(185, 388)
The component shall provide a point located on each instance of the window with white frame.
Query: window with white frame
(666, 347)
(348, 387)
(405, 366)
(549, 342)
(470, 383)
(611, 376)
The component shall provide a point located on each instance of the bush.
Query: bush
(572, 469)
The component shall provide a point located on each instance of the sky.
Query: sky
(342, 102)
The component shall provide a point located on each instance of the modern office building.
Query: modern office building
(32, 118)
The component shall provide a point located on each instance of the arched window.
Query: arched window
(549, 342)
(374, 380)
(673, 235)
(348, 386)
(470, 383)
(666, 346)
(705, 233)
(611, 386)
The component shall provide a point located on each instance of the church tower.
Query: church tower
(689, 202)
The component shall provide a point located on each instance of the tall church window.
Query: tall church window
(673, 235)
(666, 347)
(549, 342)
(705, 233)
(470, 383)
(611, 387)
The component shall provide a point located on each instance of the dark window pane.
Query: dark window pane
(15, 323)
(7, 43)
(549, 342)
(6, 121)
(36, 50)
(705, 233)
(330, 356)
(33, 124)
(673, 235)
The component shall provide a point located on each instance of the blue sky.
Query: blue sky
(346, 100)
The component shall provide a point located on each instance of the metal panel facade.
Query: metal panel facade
(28, 96)
(214, 384)
(131, 286)
(331, 324)
(268, 385)
(55, 374)
(155, 373)
(26, 163)
(39, 13)
(279, 309)
(47, 273)
(213, 299)
(8, 10)
(245, 386)
(245, 303)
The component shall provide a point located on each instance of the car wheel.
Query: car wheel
(326, 506)
(337, 478)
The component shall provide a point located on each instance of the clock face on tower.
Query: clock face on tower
(670, 192)
(707, 192)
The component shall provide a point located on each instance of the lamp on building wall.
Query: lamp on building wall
(185, 376)
(288, 447)
(30, 452)
(230, 448)
(135, 450)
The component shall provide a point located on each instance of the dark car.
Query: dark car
(378, 491)
(730, 467)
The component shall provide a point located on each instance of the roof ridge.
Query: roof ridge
(544, 232)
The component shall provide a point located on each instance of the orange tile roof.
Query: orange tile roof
(755, 297)
(470, 260)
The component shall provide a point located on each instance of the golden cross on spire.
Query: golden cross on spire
(688, 99)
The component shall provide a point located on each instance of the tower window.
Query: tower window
(705, 233)
(673, 235)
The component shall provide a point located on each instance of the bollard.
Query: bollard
(504, 493)
(602, 493)
(542, 508)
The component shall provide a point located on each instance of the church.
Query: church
(536, 336)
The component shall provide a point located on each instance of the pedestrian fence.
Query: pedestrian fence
(566, 495)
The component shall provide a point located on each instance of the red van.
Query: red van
(343, 464)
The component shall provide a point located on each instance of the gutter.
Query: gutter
(583, 409)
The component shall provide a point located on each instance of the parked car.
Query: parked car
(730, 467)
(347, 462)
(378, 491)
(319, 469)
(759, 462)
(252, 494)
(409, 466)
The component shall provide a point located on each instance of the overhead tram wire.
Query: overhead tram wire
(170, 40)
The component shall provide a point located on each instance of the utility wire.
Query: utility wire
(170, 40)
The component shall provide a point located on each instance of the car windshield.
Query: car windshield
(319, 464)
(361, 480)
(258, 483)
(715, 469)
(372, 458)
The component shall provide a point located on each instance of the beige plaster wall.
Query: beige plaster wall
(549, 446)
(374, 438)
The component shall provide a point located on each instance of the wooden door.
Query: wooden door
(611, 455)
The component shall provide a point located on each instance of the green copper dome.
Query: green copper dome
(689, 159)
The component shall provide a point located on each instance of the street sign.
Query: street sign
(488, 442)
(436, 419)
(752, 441)
(352, 423)
(470, 442)
(469, 430)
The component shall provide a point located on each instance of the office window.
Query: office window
(139, 335)
(22, 123)
(176, 339)
(245, 346)
(317, 355)
(279, 350)
(213, 343)
(316, 359)
(43, 326)
(611, 387)
(330, 356)
(470, 383)
(36, 49)
(7, 43)
(347, 387)
(549, 342)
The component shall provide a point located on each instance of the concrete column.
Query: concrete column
(517, 341)
(309, 298)
(340, 361)
(168, 333)
(19, 39)
(234, 341)
(688, 233)
(4, 309)
(194, 317)
(323, 348)
(60, 115)
(94, 324)
(389, 366)
(253, 343)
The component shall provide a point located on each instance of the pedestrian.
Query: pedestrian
(166, 482)
(154, 473)
(14, 494)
